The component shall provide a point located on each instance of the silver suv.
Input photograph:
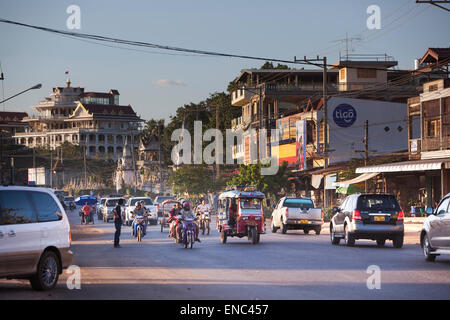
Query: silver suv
(435, 235)
(368, 216)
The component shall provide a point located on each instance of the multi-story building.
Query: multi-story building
(425, 178)
(94, 120)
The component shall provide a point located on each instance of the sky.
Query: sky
(155, 83)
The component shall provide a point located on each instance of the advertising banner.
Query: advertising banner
(301, 144)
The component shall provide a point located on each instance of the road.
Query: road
(281, 266)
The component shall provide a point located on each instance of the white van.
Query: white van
(34, 236)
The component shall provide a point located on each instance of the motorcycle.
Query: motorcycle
(72, 206)
(176, 223)
(85, 219)
(188, 232)
(138, 227)
(205, 220)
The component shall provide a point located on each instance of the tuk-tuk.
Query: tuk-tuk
(166, 206)
(240, 214)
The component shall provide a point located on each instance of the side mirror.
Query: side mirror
(429, 211)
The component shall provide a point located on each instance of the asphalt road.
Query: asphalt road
(289, 266)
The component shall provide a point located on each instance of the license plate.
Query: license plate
(304, 221)
(378, 218)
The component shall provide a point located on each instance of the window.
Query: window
(250, 203)
(48, 209)
(16, 208)
(366, 73)
(377, 203)
(298, 203)
(443, 206)
(342, 74)
(147, 201)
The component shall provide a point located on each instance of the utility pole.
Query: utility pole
(325, 120)
(217, 155)
(51, 169)
(84, 160)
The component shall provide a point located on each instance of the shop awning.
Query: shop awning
(419, 165)
(358, 179)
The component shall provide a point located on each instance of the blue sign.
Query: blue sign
(344, 115)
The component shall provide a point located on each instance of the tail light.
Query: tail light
(400, 216)
(287, 213)
(70, 239)
(356, 215)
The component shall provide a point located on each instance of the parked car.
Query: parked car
(293, 213)
(109, 206)
(99, 210)
(158, 201)
(69, 202)
(368, 216)
(131, 205)
(435, 235)
(34, 236)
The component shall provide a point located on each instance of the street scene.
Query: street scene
(165, 154)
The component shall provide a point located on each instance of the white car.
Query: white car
(296, 213)
(131, 205)
(99, 208)
(109, 206)
(435, 235)
(35, 236)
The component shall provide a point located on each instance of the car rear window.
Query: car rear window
(298, 203)
(162, 199)
(377, 203)
(112, 202)
(147, 201)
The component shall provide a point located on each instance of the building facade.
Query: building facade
(94, 120)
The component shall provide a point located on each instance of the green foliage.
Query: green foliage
(192, 179)
(269, 184)
(269, 65)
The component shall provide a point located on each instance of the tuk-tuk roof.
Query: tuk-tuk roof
(242, 194)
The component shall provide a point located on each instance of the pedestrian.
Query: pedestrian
(87, 213)
(118, 222)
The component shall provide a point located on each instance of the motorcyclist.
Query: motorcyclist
(186, 212)
(172, 214)
(204, 207)
(139, 210)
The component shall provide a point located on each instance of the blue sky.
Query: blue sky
(157, 83)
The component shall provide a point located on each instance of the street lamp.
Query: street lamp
(38, 86)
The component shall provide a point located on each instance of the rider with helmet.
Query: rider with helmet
(187, 212)
(139, 210)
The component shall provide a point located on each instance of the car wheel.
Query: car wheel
(349, 238)
(274, 229)
(306, 231)
(283, 228)
(47, 273)
(317, 230)
(223, 237)
(381, 242)
(426, 247)
(334, 240)
(398, 241)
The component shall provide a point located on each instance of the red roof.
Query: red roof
(435, 54)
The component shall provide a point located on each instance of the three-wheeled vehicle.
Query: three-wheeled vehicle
(166, 206)
(240, 214)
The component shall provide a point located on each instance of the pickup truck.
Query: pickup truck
(293, 213)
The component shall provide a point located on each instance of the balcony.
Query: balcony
(435, 143)
(241, 97)
(240, 122)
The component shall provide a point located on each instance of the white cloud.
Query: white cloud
(169, 83)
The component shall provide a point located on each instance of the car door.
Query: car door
(276, 213)
(339, 217)
(49, 215)
(439, 226)
(19, 233)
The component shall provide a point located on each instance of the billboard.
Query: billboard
(301, 144)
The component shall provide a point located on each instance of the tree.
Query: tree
(270, 184)
(192, 179)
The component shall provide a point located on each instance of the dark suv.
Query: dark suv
(368, 216)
